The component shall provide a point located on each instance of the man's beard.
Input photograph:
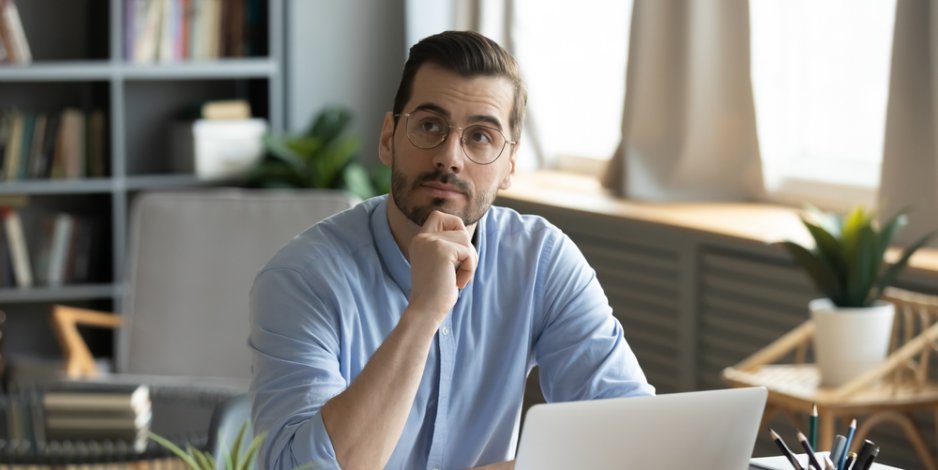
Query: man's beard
(402, 190)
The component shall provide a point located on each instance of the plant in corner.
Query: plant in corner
(324, 156)
(847, 264)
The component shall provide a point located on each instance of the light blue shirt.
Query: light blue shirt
(326, 301)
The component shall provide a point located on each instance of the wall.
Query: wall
(348, 53)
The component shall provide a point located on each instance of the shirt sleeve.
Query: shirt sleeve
(295, 370)
(581, 349)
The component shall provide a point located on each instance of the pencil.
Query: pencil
(812, 426)
(809, 449)
(785, 450)
(843, 457)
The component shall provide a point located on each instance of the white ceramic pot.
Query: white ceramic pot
(849, 341)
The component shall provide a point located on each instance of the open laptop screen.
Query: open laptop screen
(713, 429)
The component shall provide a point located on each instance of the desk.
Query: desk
(781, 463)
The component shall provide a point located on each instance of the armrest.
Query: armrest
(65, 320)
(779, 348)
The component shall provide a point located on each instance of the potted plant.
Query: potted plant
(324, 156)
(238, 457)
(847, 265)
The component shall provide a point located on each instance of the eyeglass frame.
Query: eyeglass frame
(461, 130)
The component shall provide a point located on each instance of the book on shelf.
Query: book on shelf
(15, 46)
(39, 247)
(178, 30)
(69, 144)
(71, 156)
(11, 158)
(98, 396)
(16, 244)
(77, 421)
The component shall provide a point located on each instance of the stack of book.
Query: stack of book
(99, 412)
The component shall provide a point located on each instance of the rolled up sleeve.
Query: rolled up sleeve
(581, 348)
(295, 370)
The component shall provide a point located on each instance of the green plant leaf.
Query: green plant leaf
(819, 271)
(252, 451)
(850, 231)
(830, 251)
(330, 123)
(357, 181)
(188, 459)
(381, 179)
(830, 222)
(862, 266)
(333, 160)
(206, 461)
(236, 448)
(889, 276)
(892, 227)
(279, 148)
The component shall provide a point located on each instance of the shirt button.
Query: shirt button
(445, 332)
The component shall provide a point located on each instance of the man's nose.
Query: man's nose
(449, 155)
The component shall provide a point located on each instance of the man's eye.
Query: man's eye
(479, 135)
(431, 126)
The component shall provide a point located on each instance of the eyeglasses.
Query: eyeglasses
(481, 144)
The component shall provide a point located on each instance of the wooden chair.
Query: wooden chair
(893, 392)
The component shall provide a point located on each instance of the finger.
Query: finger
(466, 268)
(440, 221)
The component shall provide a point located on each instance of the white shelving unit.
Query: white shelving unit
(78, 61)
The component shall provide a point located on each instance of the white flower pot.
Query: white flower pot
(849, 341)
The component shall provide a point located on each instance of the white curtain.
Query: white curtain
(688, 129)
(910, 158)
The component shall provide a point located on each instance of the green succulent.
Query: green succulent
(236, 459)
(323, 156)
(846, 262)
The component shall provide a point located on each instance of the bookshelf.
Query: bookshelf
(82, 59)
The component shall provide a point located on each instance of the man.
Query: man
(399, 334)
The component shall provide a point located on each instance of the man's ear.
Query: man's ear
(512, 162)
(386, 141)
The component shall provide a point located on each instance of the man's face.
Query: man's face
(444, 178)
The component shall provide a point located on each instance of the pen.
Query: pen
(850, 432)
(812, 459)
(850, 459)
(838, 448)
(828, 463)
(869, 461)
(863, 454)
(785, 450)
(812, 426)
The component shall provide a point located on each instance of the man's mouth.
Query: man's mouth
(438, 189)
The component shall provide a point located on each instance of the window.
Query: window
(820, 76)
(574, 59)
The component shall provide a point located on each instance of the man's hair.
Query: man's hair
(468, 54)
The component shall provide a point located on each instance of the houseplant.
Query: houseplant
(324, 156)
(238, 457)
(847, 265)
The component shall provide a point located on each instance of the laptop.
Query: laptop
(713, 429)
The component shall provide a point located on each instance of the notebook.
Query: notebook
(713, 429)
